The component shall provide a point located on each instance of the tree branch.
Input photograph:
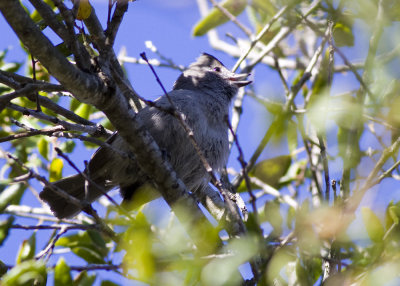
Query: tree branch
(112, 28)
(76, 81)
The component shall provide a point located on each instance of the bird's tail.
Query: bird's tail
(74, 186)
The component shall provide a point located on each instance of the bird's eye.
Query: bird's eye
(217, 69)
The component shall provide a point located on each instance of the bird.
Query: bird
(202, 94)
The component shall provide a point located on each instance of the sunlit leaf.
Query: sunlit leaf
(270, 171)
(62, 275)
(216, 17)
(84, 110)
(308, 270)
(92, 248)
(43, 147)
(84, 10)
(394, 212)
(67, 146)
(394, 11)
(5, 228)
(10, 195)
(88, 254)
(292, 136)
(388, 216)
(343, 35)
(273, 216)
(11, 67)
(83, 279)
(373, 224)
(141, 259)
(27, 273)
(278, 261)
(27, 249)
(56, 167)
(244, 248)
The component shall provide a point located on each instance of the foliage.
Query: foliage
(307, 222)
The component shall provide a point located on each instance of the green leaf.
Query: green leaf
(3, 268)
(91, 248)
(88, 254)
(388, 217)
(293, 172)
(223, 271)
(308, 270)
(291, 214)
(216, 18)
(109, 283)
(56, 167)
(11, 195)
(84, 10)
(84, 110)
(30, 272)
(11, 67)
(67, 146)
(270, 171)
(62, 273)
(141, 259)
(373, 224)
(274, 217)
(343, 35)
(5, 228)
(43, 147)
(252, 225)
(292, 136)
(83, 279)
(27, 249)
(394, 212)
(279, 260)
(394, 11)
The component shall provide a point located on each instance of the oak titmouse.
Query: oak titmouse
(202, 93)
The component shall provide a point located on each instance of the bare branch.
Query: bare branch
(51, 19)
(113, 26)
(76, 81)
(95, 131)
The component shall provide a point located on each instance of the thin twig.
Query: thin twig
(259, 36)
(56, 226)
(283, 80)
(286, 110)
(353, 202)
(33, 62)
(245, 174)
(50, 18)
(114, 24)
(50, 247)
(26, 90)
(42, 179)
(92, 130)
(82, 56)
(232, 17)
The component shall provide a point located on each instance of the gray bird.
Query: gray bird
(202, 93)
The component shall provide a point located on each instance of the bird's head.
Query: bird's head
(209, 75)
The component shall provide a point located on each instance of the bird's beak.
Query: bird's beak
(240, 79)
